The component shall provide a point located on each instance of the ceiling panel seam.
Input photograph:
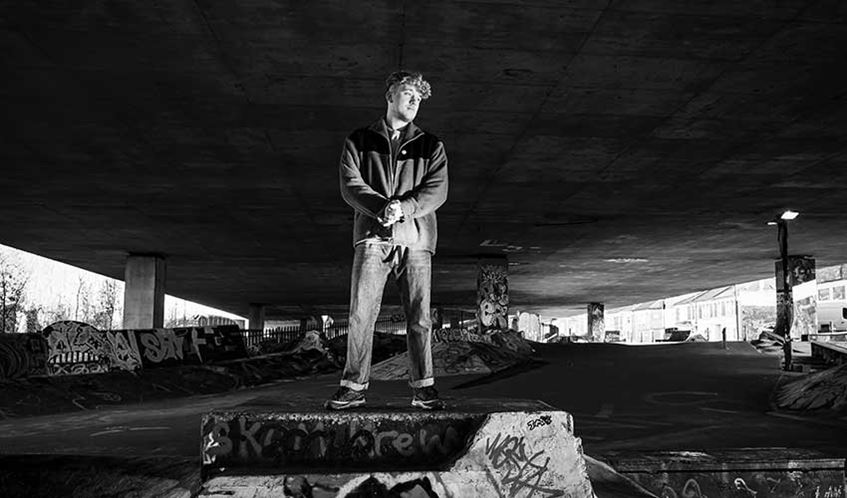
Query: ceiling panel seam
(603, 172)
(490, 177)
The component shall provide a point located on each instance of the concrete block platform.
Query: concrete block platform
(740, 472)
(831, 353)
(479, 448)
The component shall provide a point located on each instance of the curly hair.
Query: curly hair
(414, 79)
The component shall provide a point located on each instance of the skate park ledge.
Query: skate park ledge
(479, 447)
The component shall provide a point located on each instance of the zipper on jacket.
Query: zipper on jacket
(400, 149)
(392, 161)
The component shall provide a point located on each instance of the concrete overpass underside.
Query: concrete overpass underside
(615, 151)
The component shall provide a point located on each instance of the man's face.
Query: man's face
(404, 102)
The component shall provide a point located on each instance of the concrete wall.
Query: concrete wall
(78, 348)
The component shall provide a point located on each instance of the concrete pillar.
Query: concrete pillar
(144, 295)
(257, 317)
(596, 322)
(437, 315)
(492, 294)
(796, 313)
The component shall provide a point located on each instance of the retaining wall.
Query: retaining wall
(71, 348)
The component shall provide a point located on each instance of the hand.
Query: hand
(391, 214)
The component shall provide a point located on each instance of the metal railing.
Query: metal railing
(282, 335)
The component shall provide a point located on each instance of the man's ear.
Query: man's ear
(389, 97)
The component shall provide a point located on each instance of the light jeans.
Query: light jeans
(412, 271)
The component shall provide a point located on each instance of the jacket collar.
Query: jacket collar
(381, 128)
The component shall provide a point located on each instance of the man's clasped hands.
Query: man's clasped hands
(391, 214)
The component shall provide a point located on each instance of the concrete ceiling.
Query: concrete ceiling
(616, 151)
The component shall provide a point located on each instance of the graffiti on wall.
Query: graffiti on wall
(596, 321)
(185, 345)
(753, 484)
(459, 335)
(804, 317)
(798, 313)
(124, 347)
(802, 270)
(76, 348)
(493, 297)
(22, 355)
(354, 444)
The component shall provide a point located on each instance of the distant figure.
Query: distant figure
(394, 176)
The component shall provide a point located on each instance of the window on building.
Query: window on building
(723, 308)
(699, 312)
(824, 294)
(838, 293)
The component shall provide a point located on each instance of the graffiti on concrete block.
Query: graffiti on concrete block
(540, 422)
(493, 297)
(76, 348)
(353, 445)
(22, 355)
(414, 487)
(520, 470)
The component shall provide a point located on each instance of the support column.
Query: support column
(796, 313)
(257, 317)
(437, 316)
(596, 322)
(492, 295)
(144, 294)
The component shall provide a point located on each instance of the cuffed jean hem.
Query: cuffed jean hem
(417, 384)
(354, 385)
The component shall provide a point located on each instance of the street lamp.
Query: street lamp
(782, 240)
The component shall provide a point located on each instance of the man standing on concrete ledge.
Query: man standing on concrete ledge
(394, 176)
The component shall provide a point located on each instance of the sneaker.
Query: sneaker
(426, 398)
(345, 398)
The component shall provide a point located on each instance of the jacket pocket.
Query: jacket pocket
(406, 232)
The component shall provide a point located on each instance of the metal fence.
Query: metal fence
(282, 335)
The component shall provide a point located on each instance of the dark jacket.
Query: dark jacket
(370, 178)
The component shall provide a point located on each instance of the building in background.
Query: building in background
(741, 311)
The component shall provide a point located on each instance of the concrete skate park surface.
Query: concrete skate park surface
(675, 397)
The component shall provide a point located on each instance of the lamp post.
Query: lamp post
(788, 308)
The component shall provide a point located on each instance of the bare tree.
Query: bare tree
(13, 280)
(107, 302)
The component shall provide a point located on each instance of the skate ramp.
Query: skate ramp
(459, 352)
(818, 392)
